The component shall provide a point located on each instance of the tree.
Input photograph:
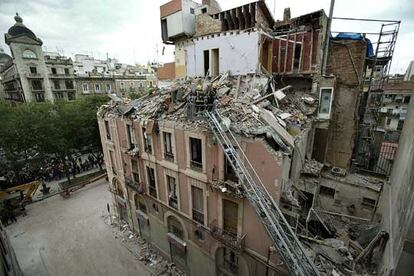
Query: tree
(30, 132)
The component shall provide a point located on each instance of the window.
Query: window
(229, 173)
(140, 204)
(325, 103)
(53, 71)
(326, 191)
(108, 130)
(388, 121)
(29, 54)
(199, 235)
(85, 88)
(71, 96)
(37, 85)
(147, 141)
(66, 71)
(97, 87)
(111, 156)
(130, 136)
(141, 85)
(191, 10)
(151, 182)
(204, 10)
(230, 215)
(175, 227)
(33, 70)
(164, 30)
(407, 99)
(122, 84)
(59, 95)
(172, 192)
(40, 97)
(108, 87)
(196, 161)
(150, 84)
(69, 84)
(198, 204)
(368, 202)
(56, 84)
(168, 153)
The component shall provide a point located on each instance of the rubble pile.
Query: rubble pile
(140, 249)
(250, 105)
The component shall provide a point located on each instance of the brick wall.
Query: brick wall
(167, 72)
(342, 128)
(205, 24)
(170, 8)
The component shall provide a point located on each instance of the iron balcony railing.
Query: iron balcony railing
(230, 239)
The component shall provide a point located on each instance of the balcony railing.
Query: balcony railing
(197, 166)
(169, 156)
(232, 240)
(61, 76)
(34, 75)
(37, 89)
(136, 186)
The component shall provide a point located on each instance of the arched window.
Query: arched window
(29, 54)
(175, 227)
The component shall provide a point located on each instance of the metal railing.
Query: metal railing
(228, 238)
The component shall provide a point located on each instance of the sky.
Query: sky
(130, 29)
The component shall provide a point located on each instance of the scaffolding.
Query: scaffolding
(369, 149)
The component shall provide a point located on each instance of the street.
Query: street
(69, 237)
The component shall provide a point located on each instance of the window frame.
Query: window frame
(325, 115)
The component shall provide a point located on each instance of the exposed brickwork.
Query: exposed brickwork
(167, 72)
(205, 24)
(342, 128)
(170, 8)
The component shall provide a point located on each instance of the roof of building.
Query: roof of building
(248, 105)
(20, 29)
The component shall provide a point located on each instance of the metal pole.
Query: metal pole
(326, 46)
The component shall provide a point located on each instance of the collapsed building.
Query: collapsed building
(261, 112)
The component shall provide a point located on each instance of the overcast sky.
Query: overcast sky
(130, 29)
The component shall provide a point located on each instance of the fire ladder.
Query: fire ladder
(280, 232)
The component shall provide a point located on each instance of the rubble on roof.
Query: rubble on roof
(250, 105)
(312, 168)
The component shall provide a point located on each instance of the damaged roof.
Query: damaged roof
(250, 105)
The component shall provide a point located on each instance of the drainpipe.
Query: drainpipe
(326, 46)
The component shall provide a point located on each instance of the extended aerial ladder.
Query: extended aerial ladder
(278, 229)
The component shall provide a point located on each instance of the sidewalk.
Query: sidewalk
(55, 187)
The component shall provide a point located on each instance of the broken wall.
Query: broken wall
(238, 53)
(397, 208)
(205, 24)
(346, 61)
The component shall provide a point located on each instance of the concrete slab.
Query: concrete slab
(69, 237)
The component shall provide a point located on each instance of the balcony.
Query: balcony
(37, 89)
(232, 240)
(34, 76)
(61, 76)
(169, 156)
(197, 166)
(229, 187)
(136, 186)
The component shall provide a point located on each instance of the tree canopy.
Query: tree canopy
(32, 131)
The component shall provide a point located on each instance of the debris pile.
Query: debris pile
(140, 249)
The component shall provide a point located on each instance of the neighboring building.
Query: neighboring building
(34, 76)
(95, 85)
(397, 209)
(85, 65)
(5, 61)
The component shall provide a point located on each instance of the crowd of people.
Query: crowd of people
(52, 169)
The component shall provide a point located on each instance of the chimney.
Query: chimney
(286, 14)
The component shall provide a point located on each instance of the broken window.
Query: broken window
(147, 141)
(168, 153)
(151, 182)
(198, 204)
(175, 227)
(130, 136)
(325, 103)
(206, 55)
(108, 130)
(368, 202)
(230, 214)
(326, 191)
(196, 161)
(172, 192)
